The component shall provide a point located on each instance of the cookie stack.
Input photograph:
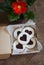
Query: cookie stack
(24, 38)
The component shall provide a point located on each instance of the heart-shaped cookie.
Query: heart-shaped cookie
(17, 47)
(23, 38)
(17, 32)
(31, 43)
(30, 31)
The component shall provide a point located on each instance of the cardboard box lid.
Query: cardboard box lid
(5, 46)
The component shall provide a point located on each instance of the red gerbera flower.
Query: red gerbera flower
(19, 7)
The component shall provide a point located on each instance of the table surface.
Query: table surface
(31, 59)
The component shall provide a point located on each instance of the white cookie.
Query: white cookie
(15, 49)
(31, 45)
(31, 31)
(27, 37)
(16, 31)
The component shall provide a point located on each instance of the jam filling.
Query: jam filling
(30, 43)
(19, 46)
(18, 33)
(29, 32)
(24, 37)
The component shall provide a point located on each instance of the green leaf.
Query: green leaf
(29, 15)
(8, 2)
(12, 16)
(30, 2)
(5, 9)
(4, 6)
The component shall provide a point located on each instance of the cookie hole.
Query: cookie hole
(30, 43)
(19, 46)
(29, 32)
(18, 33)
(23, 38)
